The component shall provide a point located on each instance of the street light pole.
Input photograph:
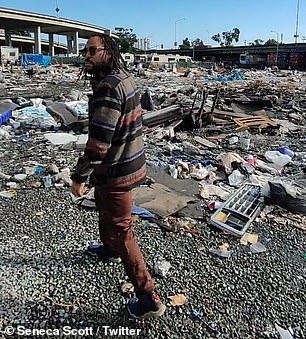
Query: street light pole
(175, 42)
(296, 35)
(207, 37)
(277, 43)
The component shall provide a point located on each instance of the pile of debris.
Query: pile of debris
(225, 192)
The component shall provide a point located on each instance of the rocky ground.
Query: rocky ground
(48, 281)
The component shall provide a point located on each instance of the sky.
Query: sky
(163, 20)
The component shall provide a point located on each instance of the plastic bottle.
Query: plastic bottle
(245, 141)
(47, 180)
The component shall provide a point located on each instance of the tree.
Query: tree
(272, 42)
(197, 42)
(126, 39)
(227, 38)
(185, 45)
(257, 42)
(190, 44)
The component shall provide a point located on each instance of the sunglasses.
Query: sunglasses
(92, 50)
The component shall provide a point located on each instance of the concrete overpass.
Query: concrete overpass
(26, 44)
(16, 20)
(285, 56)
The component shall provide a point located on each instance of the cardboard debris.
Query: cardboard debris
(160, 199)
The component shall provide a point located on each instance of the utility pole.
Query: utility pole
(296, 35)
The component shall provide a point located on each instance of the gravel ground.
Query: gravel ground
(48, 281)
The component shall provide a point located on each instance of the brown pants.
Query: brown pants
(116, 232)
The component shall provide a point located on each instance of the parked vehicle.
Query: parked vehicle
(128, 58)
(9, 55)
(168, 59)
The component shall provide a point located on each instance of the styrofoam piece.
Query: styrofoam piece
(60, 138)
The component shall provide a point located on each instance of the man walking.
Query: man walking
(115, 161)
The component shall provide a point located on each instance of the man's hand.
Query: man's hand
(78, 189)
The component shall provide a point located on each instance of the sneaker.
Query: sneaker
(147, 306)
(103, 253)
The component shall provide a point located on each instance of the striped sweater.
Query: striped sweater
(114, 154)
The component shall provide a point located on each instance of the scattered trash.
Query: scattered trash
(8, 194)
(286, 151)
(60, 138)
(20, 177)
(39, 170)
(223, 251)
(290, 197)
(127, 288)
(238, 212)
(285, 334)
(245, 141)
(142, 212)
(178, 300)
(161, 267)
(257, 247)
(249, 238)
(277, 158)
(205, 146)
(48, 181)
(212, 205)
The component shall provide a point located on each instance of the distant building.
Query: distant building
(142, 44)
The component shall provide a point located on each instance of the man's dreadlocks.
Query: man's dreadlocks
(113, 48)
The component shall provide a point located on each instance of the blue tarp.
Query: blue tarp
(35, 59)
(5, 116)
(142, 212)
(235, 76)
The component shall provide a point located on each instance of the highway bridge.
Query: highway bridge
(16, 20)
(232, 54)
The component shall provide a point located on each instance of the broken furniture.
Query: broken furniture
(196, 118)
(67, 116)
(164, 115)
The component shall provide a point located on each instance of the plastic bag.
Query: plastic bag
(281, 197)
(277, 158)
(161, 267)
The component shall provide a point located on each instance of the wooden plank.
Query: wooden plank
(218, 137)
(254, 122)
(172, 126)
(204, 142)
(229, 114)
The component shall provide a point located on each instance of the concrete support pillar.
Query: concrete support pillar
(37, 39)
(69, 44)
(8, 38)
(51, 44)
(76, 42)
